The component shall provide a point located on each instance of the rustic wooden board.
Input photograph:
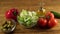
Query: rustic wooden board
(29, 5)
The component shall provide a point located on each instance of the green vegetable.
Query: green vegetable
(27, 18)
(56, 14)
(7, 26)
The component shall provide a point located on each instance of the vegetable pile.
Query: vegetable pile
(31, 18)
(27, 18)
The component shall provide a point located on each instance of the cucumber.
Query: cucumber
(56, 14)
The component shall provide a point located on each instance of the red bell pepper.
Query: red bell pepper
(11, 14)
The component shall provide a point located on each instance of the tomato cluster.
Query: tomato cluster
(48, 21)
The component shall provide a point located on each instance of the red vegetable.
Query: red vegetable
(49, 15)
(42, 22)
(48, 22)
(52, 23)
(11, 14)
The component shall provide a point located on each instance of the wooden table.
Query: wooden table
(29, 5)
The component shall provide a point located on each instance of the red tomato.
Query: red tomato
(42, 22)
(52, 23)
(49, 15)
(11, 14)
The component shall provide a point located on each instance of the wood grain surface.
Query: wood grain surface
(30, 5)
